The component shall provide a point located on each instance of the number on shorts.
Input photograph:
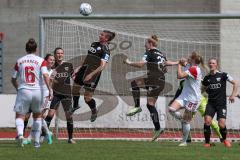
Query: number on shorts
(29, 74)
(191, 106)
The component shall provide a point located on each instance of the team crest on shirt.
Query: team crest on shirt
(218, 79)
(66, 68)
(99, 48)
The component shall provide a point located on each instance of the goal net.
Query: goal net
(212, 37)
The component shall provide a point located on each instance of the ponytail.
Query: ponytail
(199, 60)
(154, 40)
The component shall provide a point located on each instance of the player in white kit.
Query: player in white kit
(190, 97)
(29, 69)
(50, 60)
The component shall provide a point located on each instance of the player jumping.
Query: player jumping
(156, 63)
(88, 74)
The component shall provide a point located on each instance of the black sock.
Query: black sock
(48, 120)
(92, 104)
(154, 116)
(207, 133)
(136, 93)
(25, 126)
(70, 128)
(75, 101)
(223, 132)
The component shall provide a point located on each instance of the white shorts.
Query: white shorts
(188, 105)
(46, 101)
(28, 99)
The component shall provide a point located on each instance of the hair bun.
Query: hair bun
(155, 37)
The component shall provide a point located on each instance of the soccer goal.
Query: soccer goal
(213, 35)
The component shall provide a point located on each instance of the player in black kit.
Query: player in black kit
(154, 83)
(89, 73)
(62, 92)
(215, 85)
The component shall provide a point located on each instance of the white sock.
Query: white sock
(45, 127)
(185, 130)
(19, 126)
(36, 129)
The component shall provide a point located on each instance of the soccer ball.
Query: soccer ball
(85, 9)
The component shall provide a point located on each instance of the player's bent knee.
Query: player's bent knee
(208, 121)
(221, 124)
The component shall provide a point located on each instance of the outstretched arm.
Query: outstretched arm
(138, 64)
(171, 63)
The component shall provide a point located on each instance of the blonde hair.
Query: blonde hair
(198, 59)
(154, 40)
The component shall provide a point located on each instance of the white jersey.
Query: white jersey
(192, 85)
(43, 84)
(29, 69)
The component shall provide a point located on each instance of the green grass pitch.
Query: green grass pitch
(117, 150)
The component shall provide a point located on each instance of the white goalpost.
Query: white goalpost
(213, 35)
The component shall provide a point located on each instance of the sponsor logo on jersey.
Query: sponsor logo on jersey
(215, 86)
(66, 68)
(218, 79)
(99, 48)
(61, 75)
(92, 50)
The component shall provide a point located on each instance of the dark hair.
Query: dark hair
(47, 56)
(110, 34)
(31, 46)
(55, 50)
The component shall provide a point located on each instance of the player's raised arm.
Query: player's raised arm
(138, 64)
(171, 63)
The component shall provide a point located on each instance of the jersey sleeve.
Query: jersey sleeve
(106, 54)
(44, 67)
(192, 72)
(145, 57)
(227, 77)
(15, 71)
(205, 81)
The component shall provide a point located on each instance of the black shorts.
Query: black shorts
(91, 85)
(212, 109)
(65, 100)
(154, 86)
